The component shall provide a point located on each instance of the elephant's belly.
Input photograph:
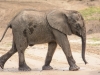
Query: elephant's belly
(41, 35)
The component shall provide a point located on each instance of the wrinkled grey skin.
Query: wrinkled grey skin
(31, 27)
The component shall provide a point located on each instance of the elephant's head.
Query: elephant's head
(77, 26)
(69, 22)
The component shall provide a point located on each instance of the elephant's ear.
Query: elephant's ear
(59, 21)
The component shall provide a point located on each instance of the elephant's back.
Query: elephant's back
(29, 15)
(38, 25)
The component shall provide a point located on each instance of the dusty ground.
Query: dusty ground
(35, 56)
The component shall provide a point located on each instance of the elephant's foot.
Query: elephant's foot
(1, 64)
(74, 68)
(72, 63)
(24, 68)
(47, 67)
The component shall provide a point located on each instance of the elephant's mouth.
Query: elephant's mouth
(31, 44)
(78, 34)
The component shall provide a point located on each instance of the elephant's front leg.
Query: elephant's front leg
(62, 40)
(51, 49)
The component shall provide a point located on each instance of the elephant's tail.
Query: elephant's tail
(9, 25)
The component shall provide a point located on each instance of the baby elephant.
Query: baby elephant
(30, 27)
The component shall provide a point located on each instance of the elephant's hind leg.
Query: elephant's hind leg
(22, 63)
(62, 40)
(6, 56)
(51, 49)
(21, 45)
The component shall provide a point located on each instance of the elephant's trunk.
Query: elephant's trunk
(83, 38)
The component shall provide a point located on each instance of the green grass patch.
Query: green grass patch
(95, 39)
(95, 45)
(89, 13)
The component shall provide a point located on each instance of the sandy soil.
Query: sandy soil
(35, 56)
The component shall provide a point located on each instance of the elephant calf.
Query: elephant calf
(30, 27)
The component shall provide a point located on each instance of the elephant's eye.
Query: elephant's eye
(78, 26)
(73, 20)
(77, 19)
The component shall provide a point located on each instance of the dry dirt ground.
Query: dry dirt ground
(35, 56)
